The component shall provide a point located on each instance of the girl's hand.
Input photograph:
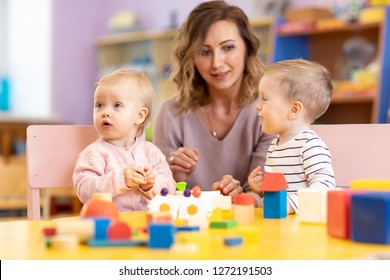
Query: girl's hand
(134, 176)
(150, 178)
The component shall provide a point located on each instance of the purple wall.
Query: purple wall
(76, 25)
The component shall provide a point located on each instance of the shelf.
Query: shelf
(347, 28)
(135, 37)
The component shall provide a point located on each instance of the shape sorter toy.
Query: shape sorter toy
(274, 187)
(370, 217)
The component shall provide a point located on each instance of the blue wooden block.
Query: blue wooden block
(233, 241)
(370, 217)
(116, 243)
(188, 228)
(275, 204)
(161, 235)
(101, 225)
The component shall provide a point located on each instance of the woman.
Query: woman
(210, 130)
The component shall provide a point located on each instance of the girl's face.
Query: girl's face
(221, 60)
(118, 111)
(273, 108)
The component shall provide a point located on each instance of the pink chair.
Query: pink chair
(359, 151)
(51, 154)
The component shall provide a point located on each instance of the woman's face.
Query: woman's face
(221, 60)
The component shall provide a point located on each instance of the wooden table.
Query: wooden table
(267, 239)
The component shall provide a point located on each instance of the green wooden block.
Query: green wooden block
(223, 224)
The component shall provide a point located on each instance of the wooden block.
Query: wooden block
(101, 225)
(312, 205)
(371, 184)
(84, 229)
(224, 224)
(64, 242)
(161, 236)
(118, 230)
(117, 243)
(370, 217)
(233, 241)
(244, 214)
(275, 205)
(221, 201)
(338, 212)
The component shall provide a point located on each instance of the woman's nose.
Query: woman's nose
(218, 60)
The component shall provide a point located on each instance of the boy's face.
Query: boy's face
(117, 110)
(273, 107)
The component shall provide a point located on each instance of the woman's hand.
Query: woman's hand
(182, 163)
(227, 185)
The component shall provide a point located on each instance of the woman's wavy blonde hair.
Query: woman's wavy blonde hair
(192, 88)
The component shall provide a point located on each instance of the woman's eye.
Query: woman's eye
(228, 47)
(204, 52)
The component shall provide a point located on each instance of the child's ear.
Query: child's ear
(295, 110)
(142, 114)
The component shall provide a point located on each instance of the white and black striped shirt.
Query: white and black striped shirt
(305, 162)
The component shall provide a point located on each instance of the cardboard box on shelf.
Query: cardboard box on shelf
(309, 14)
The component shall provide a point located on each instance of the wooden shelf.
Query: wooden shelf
(135, 37)
(326, 46)
(352, 27)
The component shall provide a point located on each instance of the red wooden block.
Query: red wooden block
(243, 199)
(118, 230)
(338, 212)
(273, 182)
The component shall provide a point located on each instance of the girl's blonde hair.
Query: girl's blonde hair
(192, 88)
(145, 92)
(305, 81)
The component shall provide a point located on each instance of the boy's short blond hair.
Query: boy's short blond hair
(145, 92)
(305, 81)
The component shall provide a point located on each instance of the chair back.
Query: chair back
(51, 154)
(359, 151)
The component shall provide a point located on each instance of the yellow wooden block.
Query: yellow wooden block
(371, 184)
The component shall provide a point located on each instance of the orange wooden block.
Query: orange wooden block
(159, 217)
(99, 208)
(338, 212)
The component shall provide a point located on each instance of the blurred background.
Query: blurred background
(52, 52)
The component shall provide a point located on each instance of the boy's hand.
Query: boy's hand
(255, 179)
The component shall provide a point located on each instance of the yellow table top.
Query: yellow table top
(269, 239)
